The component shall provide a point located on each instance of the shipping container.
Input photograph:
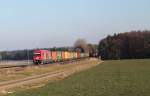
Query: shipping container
(54, 56)
(71, 55)
(82, 55)
(59, 56)
(48, 57)
(78, 55)
(63, 55)
(74, 55)
(66, 55)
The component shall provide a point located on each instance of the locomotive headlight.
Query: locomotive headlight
(37, 58)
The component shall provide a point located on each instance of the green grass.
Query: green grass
(111, 78)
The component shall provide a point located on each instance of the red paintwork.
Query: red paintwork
(41, 56)
(63, 55)
(54, 56)
(78, 55)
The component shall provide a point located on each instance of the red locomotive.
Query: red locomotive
(41, 56)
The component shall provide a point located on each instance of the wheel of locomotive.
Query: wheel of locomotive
(42, 62)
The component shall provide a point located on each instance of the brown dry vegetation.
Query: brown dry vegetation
(68, 69)
(18, 73)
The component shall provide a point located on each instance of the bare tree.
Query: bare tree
(81, 45)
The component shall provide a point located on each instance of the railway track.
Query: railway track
(26, 65)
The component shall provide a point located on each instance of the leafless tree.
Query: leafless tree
(81, 45)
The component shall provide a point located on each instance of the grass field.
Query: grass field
(111, 78)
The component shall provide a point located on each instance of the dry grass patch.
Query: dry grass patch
(19, 73)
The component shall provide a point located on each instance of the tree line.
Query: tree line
(16, 55)
(80, 45)
(25, 54)
(128, 45)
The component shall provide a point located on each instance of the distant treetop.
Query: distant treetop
(128, 45)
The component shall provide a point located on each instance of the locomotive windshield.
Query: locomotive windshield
(37, 54)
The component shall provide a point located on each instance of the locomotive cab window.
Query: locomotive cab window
(37, 54)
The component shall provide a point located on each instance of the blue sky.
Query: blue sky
(47, 23)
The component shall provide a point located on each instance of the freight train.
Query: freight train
(46, 56)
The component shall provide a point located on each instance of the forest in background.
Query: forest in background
(128, 45)
(27, 54)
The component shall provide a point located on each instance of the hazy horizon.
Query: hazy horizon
(30, 24)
